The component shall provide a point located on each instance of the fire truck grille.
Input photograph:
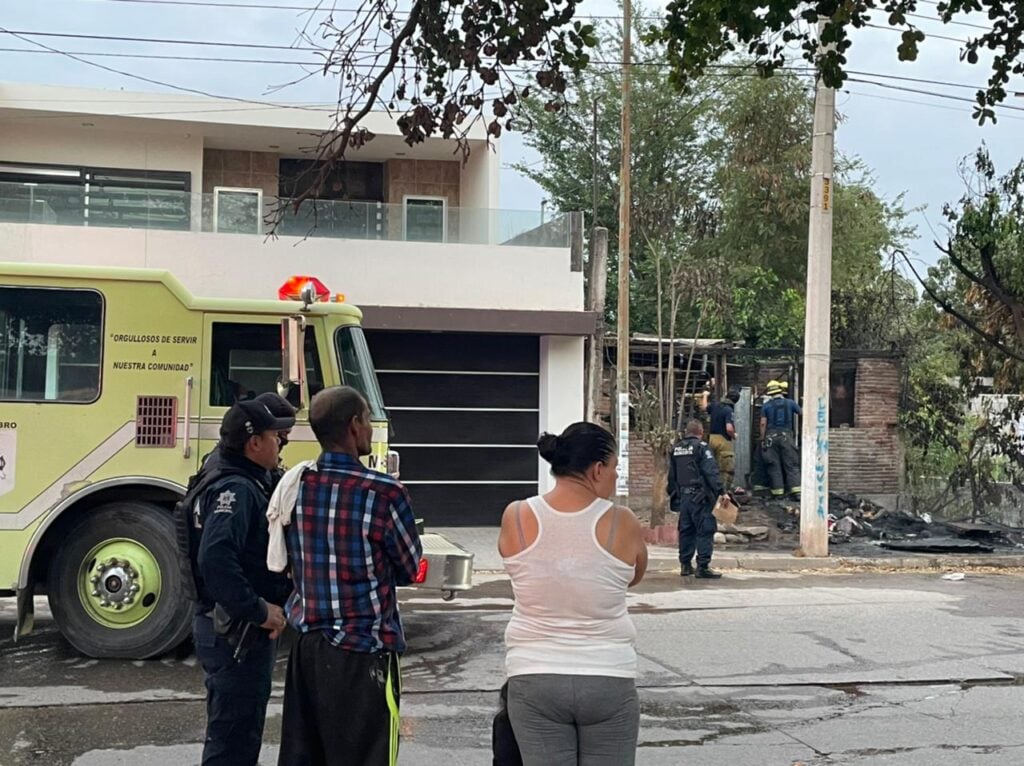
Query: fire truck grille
(156, 421)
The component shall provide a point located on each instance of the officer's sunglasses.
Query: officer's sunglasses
(282, 439)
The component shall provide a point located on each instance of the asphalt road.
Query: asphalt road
(755, 669)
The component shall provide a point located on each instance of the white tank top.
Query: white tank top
(570, 613)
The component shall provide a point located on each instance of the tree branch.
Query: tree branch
(338, 142)
(947, 307)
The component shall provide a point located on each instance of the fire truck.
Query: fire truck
(113, 383)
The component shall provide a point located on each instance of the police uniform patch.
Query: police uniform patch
(225, 502)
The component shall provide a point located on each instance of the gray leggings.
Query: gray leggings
(562, 720)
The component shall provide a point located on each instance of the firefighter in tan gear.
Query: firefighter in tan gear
(722, 434)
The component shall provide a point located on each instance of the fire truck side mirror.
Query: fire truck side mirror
(293, 359)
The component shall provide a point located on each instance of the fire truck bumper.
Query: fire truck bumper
(449, 567)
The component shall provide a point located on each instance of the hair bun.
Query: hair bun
(547, 445)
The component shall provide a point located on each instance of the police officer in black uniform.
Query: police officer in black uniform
(238, 611)
(693, 488)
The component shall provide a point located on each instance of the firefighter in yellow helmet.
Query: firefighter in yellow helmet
(777, 438)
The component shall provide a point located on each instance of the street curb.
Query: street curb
(839, 564)
(783, 563)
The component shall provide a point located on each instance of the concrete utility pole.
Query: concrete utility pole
(817, 329)
(625, 197)
(596, 298)
(593, 171)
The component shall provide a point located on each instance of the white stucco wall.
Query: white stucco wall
(178, 109)
(167, 131)
(367, 272)
(478, 184)
(561, 391)
(41, 141)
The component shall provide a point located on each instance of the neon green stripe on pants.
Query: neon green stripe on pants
(389, 694)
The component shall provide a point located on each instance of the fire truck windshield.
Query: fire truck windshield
(357, 368)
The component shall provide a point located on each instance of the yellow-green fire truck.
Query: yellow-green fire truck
(113, 383)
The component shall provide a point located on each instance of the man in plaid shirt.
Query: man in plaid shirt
(352, 540)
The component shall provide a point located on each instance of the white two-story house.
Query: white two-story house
(474, 314)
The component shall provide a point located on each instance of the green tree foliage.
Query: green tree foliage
(700, 33)
(442, 66)
(979, 280)
(765, 313)
(720, 174)
(971, 332)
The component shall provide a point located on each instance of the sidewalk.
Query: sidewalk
(482, 542)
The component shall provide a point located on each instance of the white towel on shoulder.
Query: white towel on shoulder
(279, 513)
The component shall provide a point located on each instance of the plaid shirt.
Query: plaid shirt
(352, 540)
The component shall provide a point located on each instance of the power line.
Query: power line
(140, 78)
(162, 57)
(76, 56)
(220, 59)
(926, 34)
(161, 40)
(23, 34)
(951, 23)
(257, 6)
(270, 46)
(323, 8)
(933, 94)
(944, 83)
(723, 71)
(319, 8)
(959, 110)
(273, 46)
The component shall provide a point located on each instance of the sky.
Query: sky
(911, 142)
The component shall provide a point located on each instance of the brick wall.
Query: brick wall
(241, 170)
(865, 460)
(244, 170)
(641, 471)
(868, 458)
(430, 178)
(876, 394)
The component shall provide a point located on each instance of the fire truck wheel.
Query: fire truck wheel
(115, 587)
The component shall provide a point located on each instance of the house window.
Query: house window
(425, 219)
(50, 344)
(237, 211)
(843, 385)
(83, 196)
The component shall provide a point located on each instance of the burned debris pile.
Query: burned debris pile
(854, 519)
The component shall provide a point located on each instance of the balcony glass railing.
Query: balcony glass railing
(247, 212)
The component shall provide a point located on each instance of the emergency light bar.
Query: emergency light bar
(292, 290)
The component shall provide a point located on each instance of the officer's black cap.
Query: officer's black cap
(279, 406)
(249, 418)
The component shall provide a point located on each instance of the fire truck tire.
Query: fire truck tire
(115, 589)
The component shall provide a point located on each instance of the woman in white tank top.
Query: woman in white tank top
(571, 658)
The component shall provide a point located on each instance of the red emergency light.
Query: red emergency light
(291, 290)
(421, 572)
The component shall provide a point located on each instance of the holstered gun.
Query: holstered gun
(239, 634)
